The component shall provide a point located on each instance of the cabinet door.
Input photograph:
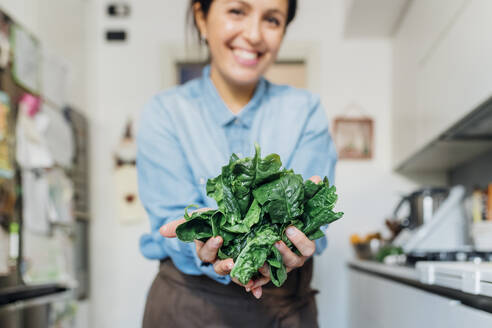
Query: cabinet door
(419, 31)
(455, 76)
(382, 303)
(442, 69)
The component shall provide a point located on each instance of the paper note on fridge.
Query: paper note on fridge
(60, 205)
(31, 146)
(47, 199)
(35, 201)
(44, 139)
(54, 76)
(59, 137)
(27, 59)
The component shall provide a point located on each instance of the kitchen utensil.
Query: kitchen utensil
(423, 204)
(447, 230)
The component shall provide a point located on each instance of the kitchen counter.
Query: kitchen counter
(393, 271)
(409, 276)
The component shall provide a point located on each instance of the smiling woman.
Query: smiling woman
(188, 133)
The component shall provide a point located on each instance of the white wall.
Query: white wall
(125, 76)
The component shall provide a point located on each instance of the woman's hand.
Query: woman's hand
(207, 252)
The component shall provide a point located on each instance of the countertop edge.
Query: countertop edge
(396, 271)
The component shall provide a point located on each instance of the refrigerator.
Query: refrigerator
(44, 209)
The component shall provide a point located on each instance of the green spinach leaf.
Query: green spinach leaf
(282, 198)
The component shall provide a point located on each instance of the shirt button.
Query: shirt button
(202, 180)
(236, 121)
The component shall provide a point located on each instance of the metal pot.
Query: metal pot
(423, 204)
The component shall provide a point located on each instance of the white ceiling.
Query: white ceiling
(374, 18)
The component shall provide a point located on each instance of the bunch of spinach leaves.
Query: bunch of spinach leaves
(257, 200)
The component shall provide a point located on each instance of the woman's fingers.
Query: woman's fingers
(199, 244)
(260, 282)
(291, 260)
(169, 229)
(255, 286)
(265, 270)
(257, 292)
(305, 246)
(300, 241)
(208, 252)
(223, 267)
(247, 286)
(315, 178)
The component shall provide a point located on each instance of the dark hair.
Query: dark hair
(205, 5)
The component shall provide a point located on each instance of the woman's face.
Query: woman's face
(243, 36)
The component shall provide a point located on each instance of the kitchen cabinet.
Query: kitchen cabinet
(378, 302)
(442, 68)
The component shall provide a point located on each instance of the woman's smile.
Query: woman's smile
(246, 58)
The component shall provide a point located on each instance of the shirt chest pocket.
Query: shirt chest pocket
(201, 184)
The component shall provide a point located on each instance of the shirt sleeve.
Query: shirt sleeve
(166, 187)
(315, 153)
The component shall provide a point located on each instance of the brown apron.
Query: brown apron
(179, 300)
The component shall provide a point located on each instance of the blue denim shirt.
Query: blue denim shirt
(186, 134)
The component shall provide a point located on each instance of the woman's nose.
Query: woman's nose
(252, 31)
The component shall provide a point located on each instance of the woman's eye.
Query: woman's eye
(273, 20)
(236, 12)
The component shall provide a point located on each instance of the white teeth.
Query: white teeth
(245, 54)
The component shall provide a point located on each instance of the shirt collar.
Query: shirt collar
(219, 110)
